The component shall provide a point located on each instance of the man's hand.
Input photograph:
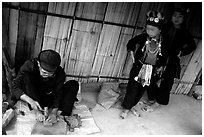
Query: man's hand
(39, 116)
(52, 118)
(34, 104)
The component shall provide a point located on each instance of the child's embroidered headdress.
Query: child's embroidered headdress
(155, 18)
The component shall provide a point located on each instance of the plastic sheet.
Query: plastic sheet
(7, 117)
(88, 124)
(24, 124)
(58, 128)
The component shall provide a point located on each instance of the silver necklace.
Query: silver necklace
(155, 51)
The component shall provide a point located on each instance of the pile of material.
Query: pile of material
(80, 123)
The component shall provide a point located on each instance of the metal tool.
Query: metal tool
(46, 112)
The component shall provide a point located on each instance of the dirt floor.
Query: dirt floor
(182, 116)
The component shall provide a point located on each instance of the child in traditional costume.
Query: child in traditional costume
(178, 42)
(149, 60)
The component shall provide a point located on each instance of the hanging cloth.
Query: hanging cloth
(144, 75)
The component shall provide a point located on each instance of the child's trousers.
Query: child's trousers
(134, 93)
(134, 90)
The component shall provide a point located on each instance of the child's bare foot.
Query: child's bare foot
(124, 113)
(134, 112)
(151, 108)
(149, 102)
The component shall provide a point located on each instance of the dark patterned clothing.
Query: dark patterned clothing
(176, 41)
(49, 92)
(135, 90)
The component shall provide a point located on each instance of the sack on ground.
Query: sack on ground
(108, 95)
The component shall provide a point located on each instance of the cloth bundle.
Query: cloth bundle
(109, 94)
(144, 75)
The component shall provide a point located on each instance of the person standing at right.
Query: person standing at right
(179, 42)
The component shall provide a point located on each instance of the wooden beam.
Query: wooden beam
(91, 76)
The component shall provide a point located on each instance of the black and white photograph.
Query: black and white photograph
(101, 68)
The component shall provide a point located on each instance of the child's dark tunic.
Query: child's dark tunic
(135, 90)
(176, 41)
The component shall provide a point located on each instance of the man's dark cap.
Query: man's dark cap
(49, 60)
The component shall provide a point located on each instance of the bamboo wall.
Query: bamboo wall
(91, 37)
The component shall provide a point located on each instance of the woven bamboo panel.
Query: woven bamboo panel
(86, 47)
(192, 71)
(121, 53)
(186, 59)
(48, 42)
(57, 30)
(30, 34)
(83, 44)
(20, 55)
(111, 52)
(29, 5)
(62, 8)
(56, 36)
(122, 12)
(5, 26)
(184, 62)
(142, 16)
(91, 10)
(10, 27)
(39, 34)
(40, 27)
(27, 32)
(107, 43)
